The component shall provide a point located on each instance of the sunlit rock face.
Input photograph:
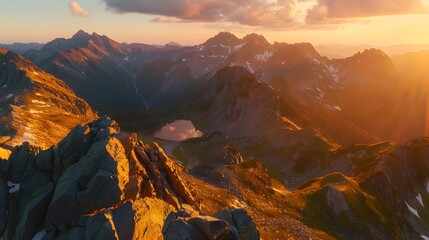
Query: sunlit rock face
(179, 130)
(100, 183)
(35, 106)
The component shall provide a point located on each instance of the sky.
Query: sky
(352, 22)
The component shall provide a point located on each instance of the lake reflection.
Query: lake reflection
(179, 130)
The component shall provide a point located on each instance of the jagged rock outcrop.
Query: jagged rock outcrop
(97, 183)
(227, 224)
(227, 155)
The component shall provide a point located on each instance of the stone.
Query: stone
(104, 133)
(175, 180)
(141, 219)
(97, 181)
(45, 159)
(187, 223)
(105, 122)
(34, 213)
(227, 155)
(240, 220)
(212, 227)
(181, 230)
(4, 200)
(74, 145)
(22, 157)
(127, 141)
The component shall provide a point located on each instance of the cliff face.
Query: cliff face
(101, 183)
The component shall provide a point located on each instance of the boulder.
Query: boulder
(45, 159)
(240, 220)
(105, 122)
(74, 145)
(141, 219)
(34, 213)
(97, 181)
(227, 155)
(22, 158)
(187, 223)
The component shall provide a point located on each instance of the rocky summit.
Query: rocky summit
(101, 183)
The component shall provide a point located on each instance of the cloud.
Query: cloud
(77, 10)
(335, 11)
(268, 13)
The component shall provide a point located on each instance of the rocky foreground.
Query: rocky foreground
(101, 183)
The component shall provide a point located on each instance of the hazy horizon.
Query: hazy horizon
(167, 41)
(318, 22)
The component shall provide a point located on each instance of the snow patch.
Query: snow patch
(13, 187)
(424, 237)
(28, 135)
(9, 96)
(412, 210)
(38, 94)
(39, 235)
(127, 58)
(35, 111)
(334, 72)
(183, 59)
(249, 67)
(36, 73)
(338, 108)
(283, 63)
(37, 101)
(239, 46)
(265, 56)
(419, 198)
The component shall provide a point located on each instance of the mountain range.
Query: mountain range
(294, 144)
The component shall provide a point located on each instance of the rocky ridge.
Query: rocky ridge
(101, 183)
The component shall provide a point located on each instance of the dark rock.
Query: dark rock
(227, 155)
(72, 147)
(100, 184)
(97, 181)
(241, 221)
(22, 158)
(105, 122)
(45, 159)
(34, 213)
(4, 200)
(228, 224)
(181, 230)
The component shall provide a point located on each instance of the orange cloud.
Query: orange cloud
(331, 11)
(270, 13)
(77, 10)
